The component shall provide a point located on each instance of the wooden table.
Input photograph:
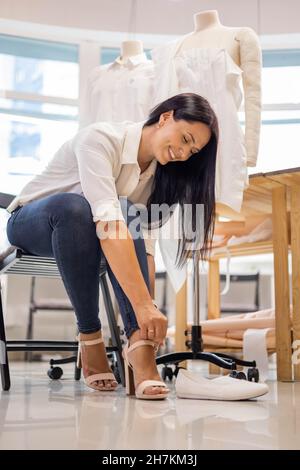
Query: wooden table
(276, 194)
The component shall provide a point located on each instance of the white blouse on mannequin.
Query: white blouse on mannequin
(213, 61)
(121, 90)
(242, 46)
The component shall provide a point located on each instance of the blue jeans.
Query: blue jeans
(61, 226)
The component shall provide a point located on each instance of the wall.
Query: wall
(155, 16)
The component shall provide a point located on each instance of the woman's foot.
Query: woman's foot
(94, 361)
(142, 360)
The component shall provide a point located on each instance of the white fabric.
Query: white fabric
(100, 163)
(262, 232)
(168, 244)
(212, 74)
(118, 91)
(255, 349)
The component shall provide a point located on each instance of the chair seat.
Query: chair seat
(31, 264)
(5, 247)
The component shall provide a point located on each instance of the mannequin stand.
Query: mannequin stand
(196, 345)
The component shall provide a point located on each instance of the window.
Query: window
(38, 105)
(108, 55)
(279, 145)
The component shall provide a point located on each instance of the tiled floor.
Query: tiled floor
(41, 414)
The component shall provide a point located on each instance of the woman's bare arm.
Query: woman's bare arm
(151, 269)
(119, 251)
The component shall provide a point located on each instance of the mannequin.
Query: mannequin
(130, 49)
(213, 61)
(206, 20)
(120, 90)
(243, 46)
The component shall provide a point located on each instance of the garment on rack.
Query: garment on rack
(211, 73)
(118, 91)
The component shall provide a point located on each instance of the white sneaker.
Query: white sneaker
(190, 385)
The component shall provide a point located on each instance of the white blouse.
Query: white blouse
(118, 91)
(100, 163)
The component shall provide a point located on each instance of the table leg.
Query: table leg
(295, 248)
(281, 275)
(213, 296)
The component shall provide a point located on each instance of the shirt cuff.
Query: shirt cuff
(106, 212)
(150, 246)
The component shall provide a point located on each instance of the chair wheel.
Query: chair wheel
(238, 375)
(253, 374)
(167, 373)
(177, 369)
(55, 373)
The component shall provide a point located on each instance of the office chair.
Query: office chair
(14, 261)
(242, 307)
(162, 276)
(47, 305)
(196, 344)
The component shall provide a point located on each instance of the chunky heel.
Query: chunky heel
(129, 376)
(129, 380)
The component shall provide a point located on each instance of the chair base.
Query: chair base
(32, 345)
(13, 264)
(219, 359)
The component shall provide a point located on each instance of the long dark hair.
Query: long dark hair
(192, 181)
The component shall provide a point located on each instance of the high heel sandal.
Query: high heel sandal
(89, 380)
(129, 377)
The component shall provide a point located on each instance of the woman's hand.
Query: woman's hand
(153, 324)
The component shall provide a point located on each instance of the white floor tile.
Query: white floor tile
(38, 413)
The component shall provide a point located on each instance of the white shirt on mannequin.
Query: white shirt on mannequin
(242, 45)
(228, 54)
(121, 90)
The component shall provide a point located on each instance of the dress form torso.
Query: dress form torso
(210, 33)
(220, 37)
(242, 45)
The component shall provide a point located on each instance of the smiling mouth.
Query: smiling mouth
(171, 153)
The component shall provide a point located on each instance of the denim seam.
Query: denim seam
(63, 273)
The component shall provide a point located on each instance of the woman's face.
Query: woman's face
(177, 141)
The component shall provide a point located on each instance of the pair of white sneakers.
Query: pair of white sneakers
(191, 385)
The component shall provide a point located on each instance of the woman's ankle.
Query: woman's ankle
(134, 337)
(90, 336)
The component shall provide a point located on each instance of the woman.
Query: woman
(72, 212)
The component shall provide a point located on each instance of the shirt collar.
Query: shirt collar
(133, 60)
(131, 145)
(149, 172)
